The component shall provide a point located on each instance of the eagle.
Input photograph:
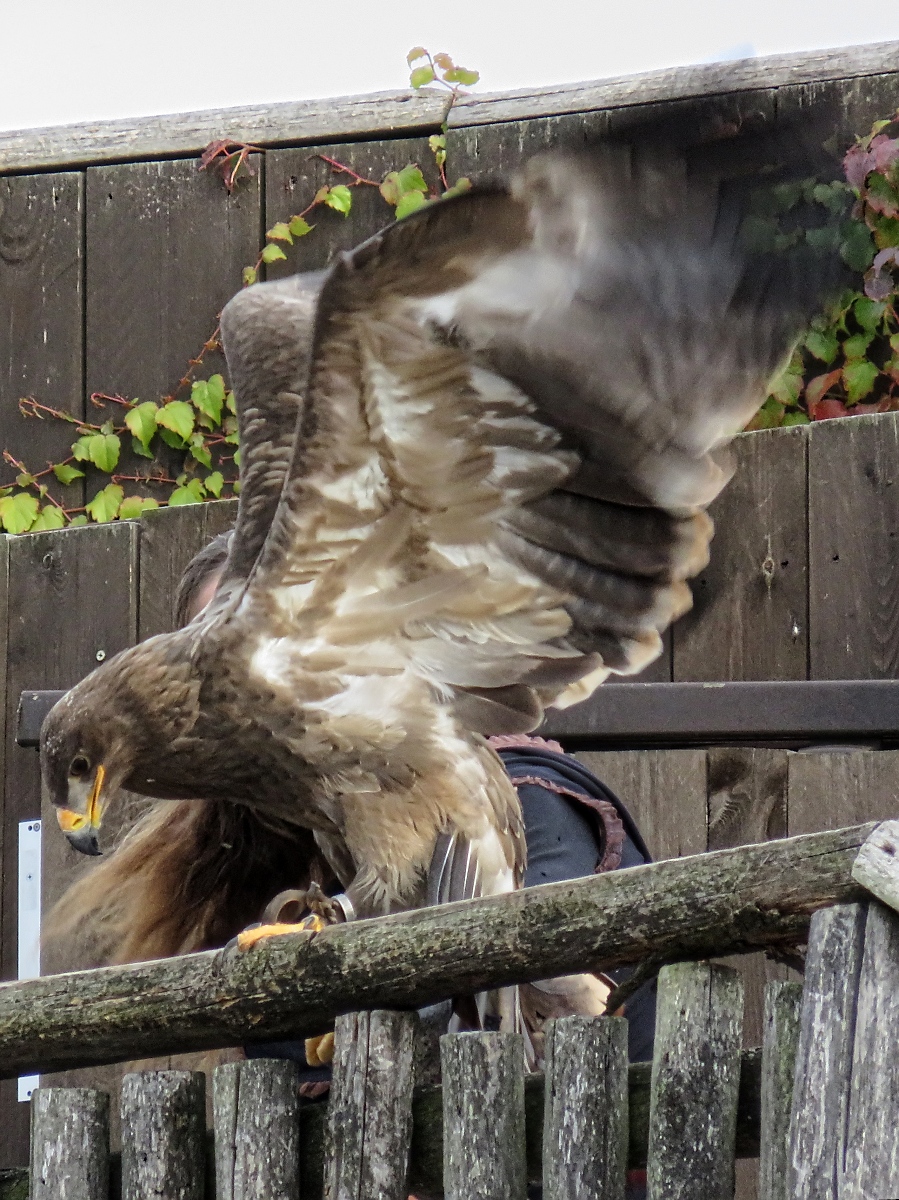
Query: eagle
(477, 454)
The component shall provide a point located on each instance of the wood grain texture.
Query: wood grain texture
(695, 1083)
(256, 1108)
(169, 538)
(483, 1116)
(370, 1106)
(166, 246)
(707, 79)
(750, 614)
(163, 1136)
(665, 791)
(300, 122)
(293, 985)
(872, 1147)
(69, 1144)
(41, 314)
(841, 788)
(780, 1044)
(586, 1121)
(877, 865)
(853, 539)
(824, 1061)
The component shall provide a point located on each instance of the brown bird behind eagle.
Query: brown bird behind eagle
(477, 453)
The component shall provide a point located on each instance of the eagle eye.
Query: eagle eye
(79, 766)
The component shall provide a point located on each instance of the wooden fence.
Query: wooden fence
(115, 256)
(819, 1106)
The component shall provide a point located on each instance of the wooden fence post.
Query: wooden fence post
(695, 1083)
(585, 1130)
(780, 1044)
(163, 1135)
(872, 1143)
(69, 1144)
(824, 1062)
(370, 1107)
(256, 1116)
(483, 1116)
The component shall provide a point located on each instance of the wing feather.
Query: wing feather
(515, 408)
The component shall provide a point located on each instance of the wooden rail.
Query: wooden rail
(731, 901)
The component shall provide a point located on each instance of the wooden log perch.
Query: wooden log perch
(730, 901)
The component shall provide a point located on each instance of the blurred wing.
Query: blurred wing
(513, 422)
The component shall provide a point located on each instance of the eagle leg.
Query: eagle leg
(321, 911)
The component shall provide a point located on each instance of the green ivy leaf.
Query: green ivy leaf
(437, 141)
(460, 186)
(415, 54)
(214, 483)
(857, 346)
(105, 504)
(299, 227)
(237, 458)
(823, 346)
(141, 421)
(66, 474)
(859, 379)
(50, 517)
(796, 418)
(868, 313)
(208, 399)
(81, 519)
(133, 506)
(26, 480)
(271, 253)
(18, 512)
(103, 450)
(249, 276)
(462, 76)
(410, 203)
(340, 198)
(857, 249)
(786, 388)
(178, 417)
(199, 450)
(410, 179)
(81, 448)
(190, 493)
(280, 232)
(141, 449)
(422, 76)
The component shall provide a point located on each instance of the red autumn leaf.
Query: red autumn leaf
(827, 409)
(818, 387)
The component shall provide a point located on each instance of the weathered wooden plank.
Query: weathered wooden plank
(483, 1116)
(69, 1144)
(827, 790)
(256, 1114)
(175, 135)
(824, 1061)
(294, 176)
(586, 1121)
(750, 614)
(665, 791)
(41, 238)
(70, 599)
(166, 245)
(872, 1147)
(339, 118)
(370, 1106)
(877, 865)
(163, 1136)
(780, 1044)
(719, 903)
(169, 539)
(853, 568)
(695, 1082)
(706, 79)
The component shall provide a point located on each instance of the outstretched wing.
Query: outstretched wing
(512, 423)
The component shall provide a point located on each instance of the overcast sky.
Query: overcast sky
(81, 60)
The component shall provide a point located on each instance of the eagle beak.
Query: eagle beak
(82, 830)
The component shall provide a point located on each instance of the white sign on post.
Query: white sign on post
(29, 931)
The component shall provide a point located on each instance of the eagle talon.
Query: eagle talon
(249, 937)
(320, 1050)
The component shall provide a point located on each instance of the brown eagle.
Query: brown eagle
(477, 453)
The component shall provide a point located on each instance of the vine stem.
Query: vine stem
(339, 166)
